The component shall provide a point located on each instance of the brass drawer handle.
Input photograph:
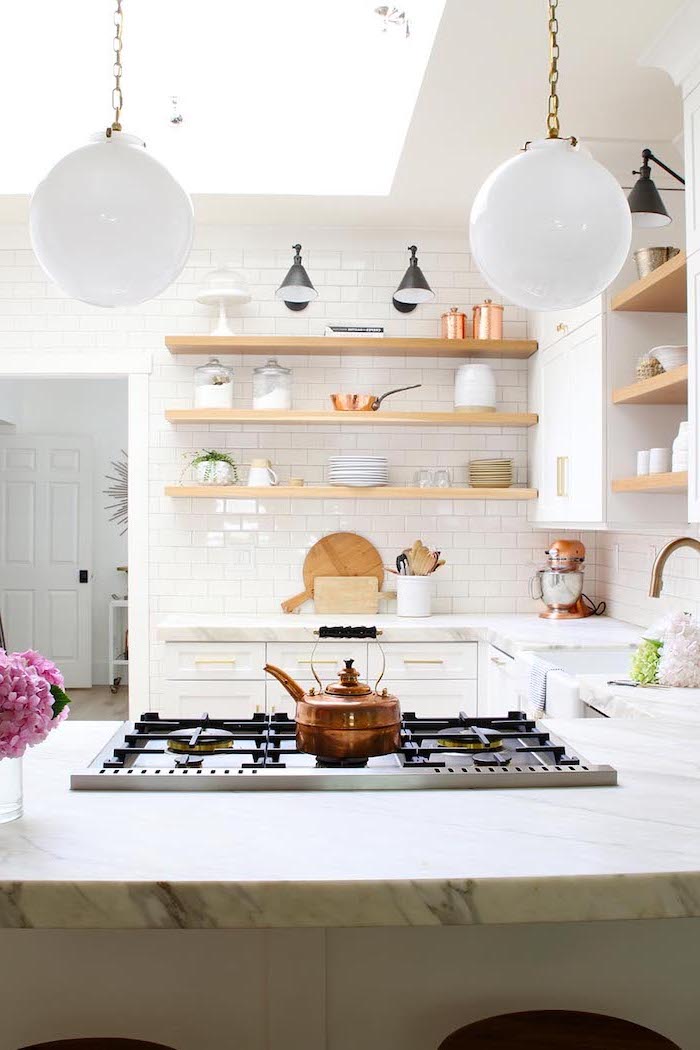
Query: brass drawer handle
(215, 660)
(497, 662)
(562, 475)
(562, 327)
(332, 660)
(410, 660)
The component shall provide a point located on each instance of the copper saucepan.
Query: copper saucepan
(365, 402)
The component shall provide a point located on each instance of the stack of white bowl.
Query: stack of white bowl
(358, 471)
(491, 473)
(679, 461)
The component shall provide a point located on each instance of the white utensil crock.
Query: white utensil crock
(414, 595)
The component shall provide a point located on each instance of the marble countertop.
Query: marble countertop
(618, 701)
(512, 633)
(132, 860)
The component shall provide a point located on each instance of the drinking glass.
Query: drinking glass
(423, 478)
(442, 479)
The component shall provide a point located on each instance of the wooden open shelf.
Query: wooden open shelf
(670, 388)
(348, 345)
(380, 418)
(343, 492)
(661, 291)
(668, 483)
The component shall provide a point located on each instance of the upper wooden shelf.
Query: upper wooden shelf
(669, 483)
(345, 492)
(670, 388)
(661, 291)
(310, 417)
(348, 345)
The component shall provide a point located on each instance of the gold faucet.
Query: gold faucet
(657, 572)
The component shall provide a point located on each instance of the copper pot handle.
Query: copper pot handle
(399, 390)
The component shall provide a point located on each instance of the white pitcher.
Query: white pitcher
(261, 474)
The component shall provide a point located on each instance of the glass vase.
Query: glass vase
(10, 789)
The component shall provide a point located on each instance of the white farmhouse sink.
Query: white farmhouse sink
(563, 693)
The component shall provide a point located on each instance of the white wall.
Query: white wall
(95, 409)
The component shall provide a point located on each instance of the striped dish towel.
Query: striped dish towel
(538, 685)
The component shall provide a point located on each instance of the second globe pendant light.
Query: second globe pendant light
(109, 223)
(550, 228)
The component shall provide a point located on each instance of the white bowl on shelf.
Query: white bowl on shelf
(670, 357)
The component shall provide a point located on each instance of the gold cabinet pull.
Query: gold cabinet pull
(562, 327)
(215, 659)
(410, 660)
(331, 660)
(562, 475)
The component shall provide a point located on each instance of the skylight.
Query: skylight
(311, 97)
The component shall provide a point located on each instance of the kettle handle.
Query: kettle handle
(381, 650)
(313, 669)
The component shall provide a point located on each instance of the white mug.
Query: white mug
(261, 474)
(643, 462)
(659, 460)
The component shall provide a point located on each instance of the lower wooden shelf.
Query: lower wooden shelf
(676, 482)
(343, 492)
(670, 388)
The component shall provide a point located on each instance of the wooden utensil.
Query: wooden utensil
(346, 594)
(339, 554)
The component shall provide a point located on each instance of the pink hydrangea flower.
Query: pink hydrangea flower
(26, 702)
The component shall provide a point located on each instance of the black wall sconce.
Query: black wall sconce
(647, 207)
(414, 289)
(296, 290)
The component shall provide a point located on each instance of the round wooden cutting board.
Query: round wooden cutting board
(339, 554)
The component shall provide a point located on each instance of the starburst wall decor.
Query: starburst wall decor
(118, 491)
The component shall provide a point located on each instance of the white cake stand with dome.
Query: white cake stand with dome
(223, 287)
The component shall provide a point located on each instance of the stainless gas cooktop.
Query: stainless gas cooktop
(260, 754)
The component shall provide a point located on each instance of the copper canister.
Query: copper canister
(488, 320)
(453, 325)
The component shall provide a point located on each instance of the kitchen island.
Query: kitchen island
(286, 907)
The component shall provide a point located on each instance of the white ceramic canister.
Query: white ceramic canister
(681, 441)
(475, 388)
(659, 460)
(414, 595)
(643, 462)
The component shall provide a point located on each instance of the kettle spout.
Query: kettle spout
(292, 687)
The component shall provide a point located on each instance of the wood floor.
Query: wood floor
(99, 704)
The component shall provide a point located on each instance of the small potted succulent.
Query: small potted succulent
(32, 703)
(214, 468)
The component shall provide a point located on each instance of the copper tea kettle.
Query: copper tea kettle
(345, 720)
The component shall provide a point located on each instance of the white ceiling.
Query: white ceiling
(483, 94)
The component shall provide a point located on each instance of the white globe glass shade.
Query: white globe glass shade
(109, 223)
(551, 227)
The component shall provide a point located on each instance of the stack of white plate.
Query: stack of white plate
(491, 473)
(358, 471)
(670, 357)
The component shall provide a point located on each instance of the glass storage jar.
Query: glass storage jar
(272, 386)
(213, 385)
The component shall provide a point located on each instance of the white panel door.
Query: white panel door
(45, 541)
(694, 386)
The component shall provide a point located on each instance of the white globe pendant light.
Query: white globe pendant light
(550, 228)
(109, 223)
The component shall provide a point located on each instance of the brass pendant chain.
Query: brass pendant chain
(553, 105)
(117, 96)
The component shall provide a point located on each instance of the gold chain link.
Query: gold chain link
(553, 105)
(117, 96)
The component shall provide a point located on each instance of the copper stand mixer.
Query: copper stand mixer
(560, 584)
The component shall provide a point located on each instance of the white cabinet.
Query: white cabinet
(583, 441)
(329, 658)
(213, 661)
(691, 139)
(568, 462)
(217, 699)
(502, 689)
(437, 699)
(418, 661)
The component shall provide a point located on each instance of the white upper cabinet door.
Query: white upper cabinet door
(691, 137)
(568, 463)
(551, 326)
